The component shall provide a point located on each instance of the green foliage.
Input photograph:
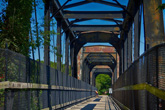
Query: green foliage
(2, 97)
(161, 7)
(103, 83)
(35, 100)
(15, 26)
(16, 22)
(54, 65)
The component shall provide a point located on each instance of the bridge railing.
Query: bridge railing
(142, 85)
(27, 84)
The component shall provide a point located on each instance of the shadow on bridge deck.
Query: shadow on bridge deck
(103, 102)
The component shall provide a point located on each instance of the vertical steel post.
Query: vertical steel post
(154, 28)
(137, 24)
(75, 66)
(117, 67)
(153, 23)
(125, 52)
(94, 80)
(47, 45)
(49, 87)
(121, 62)
(72, 57)
(122, 57)
(129, 60)
(157, 75)
(84, 72)
(47, 36)
(67, 53)
(59, 44)
(88, 75)
(6, 60)
(6, 78)
(81, 61)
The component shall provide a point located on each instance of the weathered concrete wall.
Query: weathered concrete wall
(99, 48)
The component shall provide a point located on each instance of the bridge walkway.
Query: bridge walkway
(103, 102)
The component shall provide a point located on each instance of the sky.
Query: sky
(86, 7)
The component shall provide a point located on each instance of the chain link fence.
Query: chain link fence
(26, 84)
(142, 85)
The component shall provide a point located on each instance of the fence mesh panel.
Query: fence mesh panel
(149, 69)
(17, 68)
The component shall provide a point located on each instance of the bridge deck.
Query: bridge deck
(103, 102)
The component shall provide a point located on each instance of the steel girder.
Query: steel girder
(111, 28)
(102, 70)
(98, 71)
(94, 59)
(100, 57)
(76, 44)
(97, 37)
(88, 66)
(93, 14)
(93, 37)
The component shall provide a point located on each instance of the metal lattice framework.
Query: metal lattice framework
(94, 59)
(126, 21)
(28, 84)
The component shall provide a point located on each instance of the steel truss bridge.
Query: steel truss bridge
(139, 84)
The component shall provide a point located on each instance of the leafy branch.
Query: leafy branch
(161, 7)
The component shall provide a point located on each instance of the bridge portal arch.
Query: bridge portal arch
(89, 37)
(94, 59)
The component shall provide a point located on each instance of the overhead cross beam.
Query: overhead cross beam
(99, 60)
(95, 27)
(100, 54)
(101, 70)
(100, 57)
(80, 20)
(94, 14)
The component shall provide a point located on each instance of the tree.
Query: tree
(103, 83)
(15, 26)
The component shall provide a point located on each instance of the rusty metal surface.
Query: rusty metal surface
(153, 23)
(93, 14)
